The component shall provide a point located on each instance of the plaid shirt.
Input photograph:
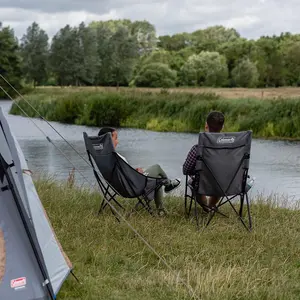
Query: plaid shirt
(190, 162)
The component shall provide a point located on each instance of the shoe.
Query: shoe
(175, 183)
(161, 212)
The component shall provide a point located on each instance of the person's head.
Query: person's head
(114, 134)
(214, 121)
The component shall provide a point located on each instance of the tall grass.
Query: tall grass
(222, 262)
(180, 112)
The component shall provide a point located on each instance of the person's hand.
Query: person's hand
(140, 170)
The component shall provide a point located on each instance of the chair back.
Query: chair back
(124, 179)
(222, 163)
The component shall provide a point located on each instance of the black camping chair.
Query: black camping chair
(221, 170)
(118, 177)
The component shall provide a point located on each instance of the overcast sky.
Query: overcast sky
(252, 18)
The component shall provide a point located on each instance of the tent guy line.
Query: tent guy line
(189, 288)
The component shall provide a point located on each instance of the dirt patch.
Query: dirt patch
(230, 93)
(2, 255)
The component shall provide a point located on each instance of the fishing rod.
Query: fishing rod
(188, 287)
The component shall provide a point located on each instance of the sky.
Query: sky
(251, 19)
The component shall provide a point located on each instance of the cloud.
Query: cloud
(251, 18)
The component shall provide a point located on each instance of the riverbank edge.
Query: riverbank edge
(148, 121)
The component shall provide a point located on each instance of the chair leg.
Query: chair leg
(241, 205)
(249, 213)
(145, 205)
(102, 206)
(196, 214)
(188, 207)
(212, 214)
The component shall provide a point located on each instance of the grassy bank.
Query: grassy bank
(222, 262)
(164, 111)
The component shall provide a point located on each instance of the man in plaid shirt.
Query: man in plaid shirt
(214, 123)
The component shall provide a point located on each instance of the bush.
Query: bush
(205, 69)
(245, 74)
(182, 112)
(156, 75)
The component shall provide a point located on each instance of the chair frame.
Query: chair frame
(110, 193)
(243, 196)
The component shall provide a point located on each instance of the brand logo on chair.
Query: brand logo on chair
(98, 147)
(226, 140)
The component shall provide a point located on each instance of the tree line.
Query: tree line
(122, 52)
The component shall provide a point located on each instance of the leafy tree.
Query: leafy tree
(112, 25)
(114, 52)
(10, 62)
(89, 54)
(103, 35)
(160, 56)
(34, 51)
(122, 52)
(269, 62)
(236, 50)
(66, 57)
(156, 75)
(245, 74)
(118, 49)
(291, 54)
(145, 34)
(205, 69)
(210, 38)
(180, 57)
(175, 42)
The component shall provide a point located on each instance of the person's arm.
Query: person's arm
(190, 162)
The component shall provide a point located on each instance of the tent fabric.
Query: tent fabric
(222, 158)
(23, 279)
(57, 264)
(2, 255)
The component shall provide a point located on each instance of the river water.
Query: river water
(275, 164)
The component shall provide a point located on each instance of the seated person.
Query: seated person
(153, 171)
(214, 123)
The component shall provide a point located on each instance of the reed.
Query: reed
(164, 111)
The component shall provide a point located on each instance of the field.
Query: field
(229, 93)
(221, 262)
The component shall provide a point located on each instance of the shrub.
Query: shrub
(156, 75)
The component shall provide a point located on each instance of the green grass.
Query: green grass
(164, 111)
(222, 262)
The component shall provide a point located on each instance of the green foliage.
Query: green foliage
(165, 111)
(122, 51)
(174, 43)
(269, 62)
(114, 52)
(66, 56)
(10, 62)
(291, 52)
(34, 52)
(145, 34)
(89, 57)
(210, 38)
(156, 75)
(205, 69)
(245, 74)
(236, 50)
